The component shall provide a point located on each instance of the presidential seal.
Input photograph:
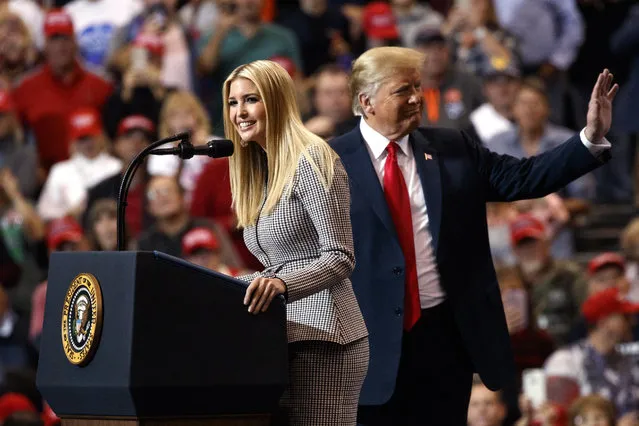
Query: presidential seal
(82, 319)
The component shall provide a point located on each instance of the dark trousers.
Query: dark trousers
(434, 378)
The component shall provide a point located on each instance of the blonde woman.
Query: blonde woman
(182, 112)
(291, 196)
(18, 53)
(477, 36)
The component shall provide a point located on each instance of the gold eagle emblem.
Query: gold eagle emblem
(82, 319)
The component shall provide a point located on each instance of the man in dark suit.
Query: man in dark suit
(424, 276)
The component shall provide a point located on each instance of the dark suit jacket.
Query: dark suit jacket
(458, 180)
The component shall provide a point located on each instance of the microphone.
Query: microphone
(215, 149)
(185, 150)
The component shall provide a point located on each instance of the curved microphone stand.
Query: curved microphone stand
(185, 144)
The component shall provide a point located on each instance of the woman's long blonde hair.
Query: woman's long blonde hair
(286, 141)
(30, 52)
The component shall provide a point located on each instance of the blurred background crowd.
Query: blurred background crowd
(86, 84)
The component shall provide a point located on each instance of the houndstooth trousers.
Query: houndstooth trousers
(307, 242)
(325, 379)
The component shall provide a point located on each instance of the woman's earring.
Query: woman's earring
(243, 143)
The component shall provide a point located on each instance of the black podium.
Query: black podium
(144, 338)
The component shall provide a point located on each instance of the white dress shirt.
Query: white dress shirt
(431, 292)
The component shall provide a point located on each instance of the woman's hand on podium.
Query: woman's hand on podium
(260, 293)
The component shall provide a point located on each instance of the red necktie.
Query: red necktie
(398, 201)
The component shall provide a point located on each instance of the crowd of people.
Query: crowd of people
(87, 84)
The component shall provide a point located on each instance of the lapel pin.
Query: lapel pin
(428, 156)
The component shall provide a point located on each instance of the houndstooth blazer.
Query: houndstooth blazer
(307, 242)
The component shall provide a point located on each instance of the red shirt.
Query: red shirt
(135, 209)
(44, 103)
(212, 199)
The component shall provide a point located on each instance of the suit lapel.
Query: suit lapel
(358, 161)
(427, 162)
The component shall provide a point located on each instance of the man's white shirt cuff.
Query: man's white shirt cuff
(595, 149)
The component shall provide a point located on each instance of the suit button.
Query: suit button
(398, 311)
(397, 270)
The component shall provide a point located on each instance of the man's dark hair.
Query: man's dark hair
(330, 69)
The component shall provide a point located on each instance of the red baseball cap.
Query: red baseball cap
(606, 259)
(6, 104)
(13, 403)
(286, 63)
(136, 122)
(199, 238)
(605, 303)
(153, 43)
(379, 21)
(84, 122)
(48, 416)
(526, 226)
(58, 22)
(63, 230)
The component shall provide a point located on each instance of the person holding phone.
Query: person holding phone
(291, 197)
(477, 35)
(141, 91)
(158, 19)
(145, 66)
(240, 37)
(530, 345)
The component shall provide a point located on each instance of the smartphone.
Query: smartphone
(139, 57)
(534, 386)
